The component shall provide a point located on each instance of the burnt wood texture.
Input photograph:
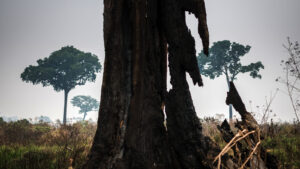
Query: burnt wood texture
(142, 39)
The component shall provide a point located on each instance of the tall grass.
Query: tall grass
(33, 157)
(283, 141)
(43, 146)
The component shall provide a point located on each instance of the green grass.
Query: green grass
(286, 148)
(41, 146)
(34, 157)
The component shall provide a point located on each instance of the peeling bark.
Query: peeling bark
(130, 132)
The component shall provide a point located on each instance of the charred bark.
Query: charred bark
(184, 128)
(261, 159)
(130, 132)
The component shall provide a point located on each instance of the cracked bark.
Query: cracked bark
(130, 132)
(248, 122)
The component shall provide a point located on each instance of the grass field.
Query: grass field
(34, 146)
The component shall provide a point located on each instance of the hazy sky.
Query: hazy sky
(32, 29)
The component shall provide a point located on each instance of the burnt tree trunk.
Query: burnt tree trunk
(130, 132)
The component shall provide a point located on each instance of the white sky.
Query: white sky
(32, 29)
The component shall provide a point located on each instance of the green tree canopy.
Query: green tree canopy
(85, 103)
(64, 70)
(225, 59)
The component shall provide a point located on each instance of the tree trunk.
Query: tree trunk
(230, 105)
(66, 92)
(230, 112)
(84, 115)
(130, 132)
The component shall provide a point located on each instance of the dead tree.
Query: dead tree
(250, 153)
(130, 132)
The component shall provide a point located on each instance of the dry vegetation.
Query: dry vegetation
(33, 146)
(279, 139)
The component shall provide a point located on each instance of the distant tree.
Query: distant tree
(85, 103)
(224, 58)
(63, 69)
(43, 119)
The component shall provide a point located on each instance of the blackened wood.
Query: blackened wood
(130, 132)
(248, 122)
